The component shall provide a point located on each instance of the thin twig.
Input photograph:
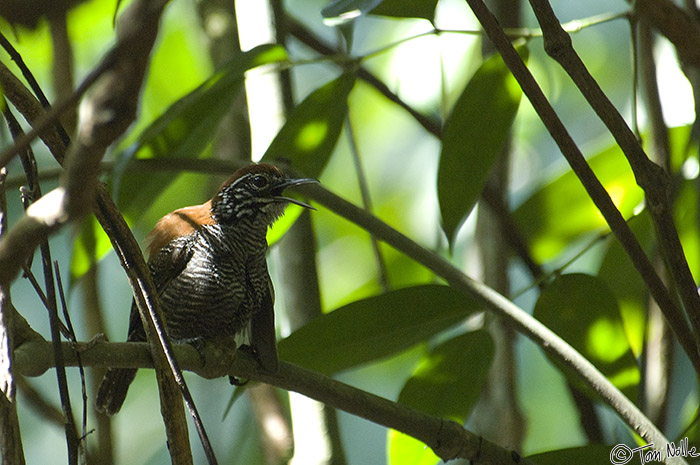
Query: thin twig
(10, 436)
(74, 340)
(72, 441)
(382, 270)
(304, 35)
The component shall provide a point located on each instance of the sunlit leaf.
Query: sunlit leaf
(583, 310)
(186, 128)
(407, 450)
(474, 136)
(91, 245)
(561, 211)
(446, 383)
(308, 138)
(376, 327)
(406, 9)
(449, 379)
(585, 455)
(625, 282)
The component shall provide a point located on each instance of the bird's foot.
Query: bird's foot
(198, 343)
(245, 348)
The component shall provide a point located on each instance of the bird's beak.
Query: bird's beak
(292, 183)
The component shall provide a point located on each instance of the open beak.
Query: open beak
(292, 183)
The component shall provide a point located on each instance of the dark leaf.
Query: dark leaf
(583, 311)
(585, 455)
(376, 327)
(474, 137)
(407, 9)
(448, 380)
(308, 137)
(185, 129)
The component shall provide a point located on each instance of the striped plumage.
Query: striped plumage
(209, 269)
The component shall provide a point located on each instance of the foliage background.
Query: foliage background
(400, 161)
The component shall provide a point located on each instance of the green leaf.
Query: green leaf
(307, 139)
(90, 246)
(376, 327)
(474, 136)
(407, 450)
(185, 129)
(628, 286)
(448, 380)
(583, 311)
(406, 9)
(585, 455)
(562, 211)
(446, 383)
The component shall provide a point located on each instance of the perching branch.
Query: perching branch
(448, 439)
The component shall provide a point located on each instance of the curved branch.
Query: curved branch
(501, 306)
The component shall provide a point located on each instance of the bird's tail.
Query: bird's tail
(113, 389)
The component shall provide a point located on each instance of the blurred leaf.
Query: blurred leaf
(623, 279)
(474, 136)
(282, 225)
(91, 245)
(407, 450)
(683, 145)
(369, 329)
(685, 212)
(585, 455)
(562, 211)
(583, 311)
(406, 9)
(29, 12)
(185, 129)
(308, 137)
(448, 380)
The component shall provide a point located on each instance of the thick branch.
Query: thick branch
(448, 439)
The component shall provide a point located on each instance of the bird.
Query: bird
(208, 265)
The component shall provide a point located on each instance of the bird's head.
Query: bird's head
(254, 193)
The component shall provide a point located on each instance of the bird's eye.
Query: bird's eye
(260, 182)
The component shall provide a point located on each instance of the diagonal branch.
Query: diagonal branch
(650, 176)
(595, 189)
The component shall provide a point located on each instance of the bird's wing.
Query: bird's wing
(164, 266)
(263, 338)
